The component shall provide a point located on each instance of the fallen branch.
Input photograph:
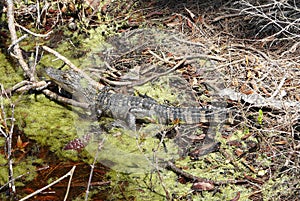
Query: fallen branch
(100, 145)
(14, 39)
(34, 34)
(8, 134)
(61, 99)
(70, 173)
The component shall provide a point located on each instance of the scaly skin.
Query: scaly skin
(129, 108)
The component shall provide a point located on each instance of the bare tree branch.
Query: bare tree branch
(14, 39)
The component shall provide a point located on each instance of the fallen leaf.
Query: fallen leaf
(282, 142)
(189, 24)
(203, 186)
(238, 152)
(21, 145)
(258, 181)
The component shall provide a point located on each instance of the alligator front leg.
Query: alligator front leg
(131, 121)
(145, 115)
(124, 120)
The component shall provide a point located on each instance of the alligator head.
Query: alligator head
(74, 83)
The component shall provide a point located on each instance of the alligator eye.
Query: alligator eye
(66, 76)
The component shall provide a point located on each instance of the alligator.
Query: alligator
(129, 108)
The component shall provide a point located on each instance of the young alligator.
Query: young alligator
(129, 108)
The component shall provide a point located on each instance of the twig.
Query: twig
(92, 169)
(9, 151)
(275, 17)
(54, 96)
(291, 49)
(10, 47)
(188, 42)
(158, 57)
(279, 87)
(265, 56)
(40, 86)
(8, 133)
(202, 56)
(27, 173)
(35, 34)
(141, 82)
(8, 92)
(158, 75)
(2, 114)
(193, 178)
(69, 183)
(36, 60)
(115, 83)
(25, 86)
(190, 21)
(38, 20)
(175, 169)
(168, 196)
(222, 17)
(70, 173)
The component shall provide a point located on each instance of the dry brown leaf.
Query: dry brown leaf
(203, 186)
(238, 152)
(282, 142)
(21, 145)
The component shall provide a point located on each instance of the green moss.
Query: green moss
(27, 169)
(12, 75)
(160, 90)
(3, 170)
(228, 192)
(151, 187)
(46, 122)
(84, 53)
(127, 152)
(171, 89)
(138, 187)
(279, 188)
(92, 193)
